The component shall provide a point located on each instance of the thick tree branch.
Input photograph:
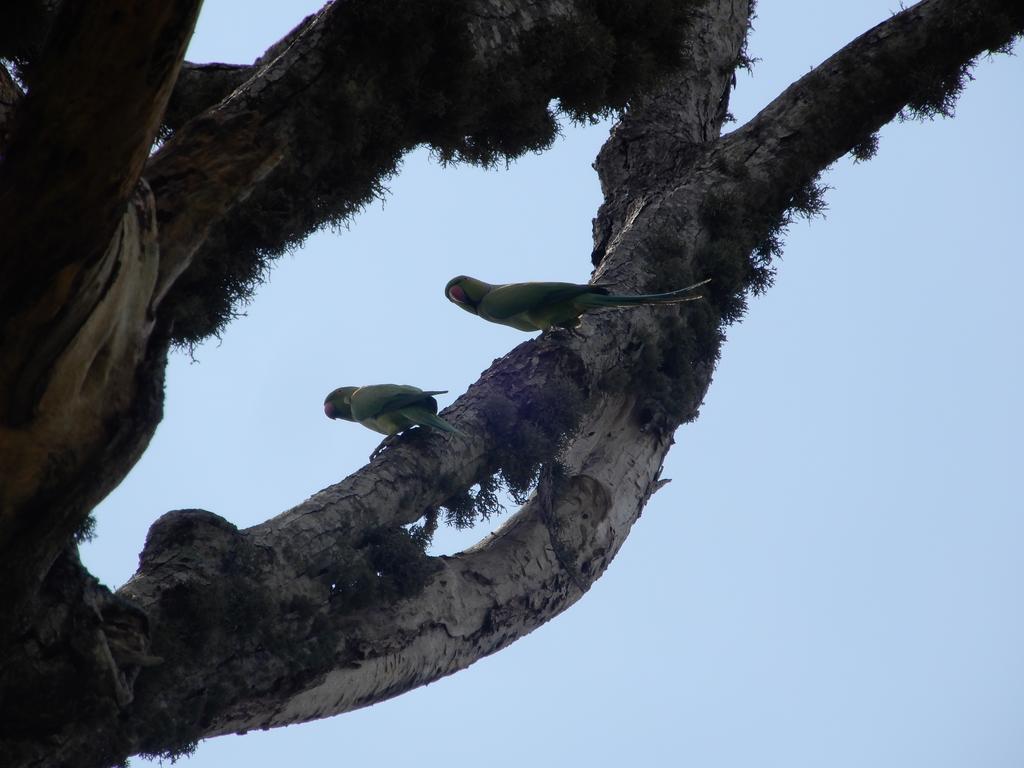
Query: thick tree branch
(731, 197)
(200, 87)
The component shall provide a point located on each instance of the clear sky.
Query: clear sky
(834, 576)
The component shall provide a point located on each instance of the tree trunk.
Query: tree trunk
(332, 605)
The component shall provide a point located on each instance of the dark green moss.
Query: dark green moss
(541, 423)
(732, 276)
(423, 533)
(86, 531)
(936, 90)
(223, 619)
(675, 365)
(528, 430)
(479, 503)
(744, 60)
(730, 233)
(864, 150)
(387, 565)
(939, 76)
(187, 749)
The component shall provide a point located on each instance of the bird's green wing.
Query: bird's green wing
(420, 415)
(375, 399)
(507, 301)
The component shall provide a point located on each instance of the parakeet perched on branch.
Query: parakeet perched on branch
(386, 408)
(540, 306)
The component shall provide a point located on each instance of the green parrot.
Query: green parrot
(387, 408)
(540, 306)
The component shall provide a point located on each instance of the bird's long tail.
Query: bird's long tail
(424, 417)
(672, 297)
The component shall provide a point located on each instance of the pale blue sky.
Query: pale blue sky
(834, 576)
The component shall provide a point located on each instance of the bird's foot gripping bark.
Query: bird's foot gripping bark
(387, 442)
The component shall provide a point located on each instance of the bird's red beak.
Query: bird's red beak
(457, 294)
(329, 410)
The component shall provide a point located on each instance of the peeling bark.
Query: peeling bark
(223, 630)
(103, 389)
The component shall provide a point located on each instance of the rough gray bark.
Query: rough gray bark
(186, 650)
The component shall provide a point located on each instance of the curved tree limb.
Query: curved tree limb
(914, 63)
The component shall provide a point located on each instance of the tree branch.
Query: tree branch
(915, 63)
(202, 86)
